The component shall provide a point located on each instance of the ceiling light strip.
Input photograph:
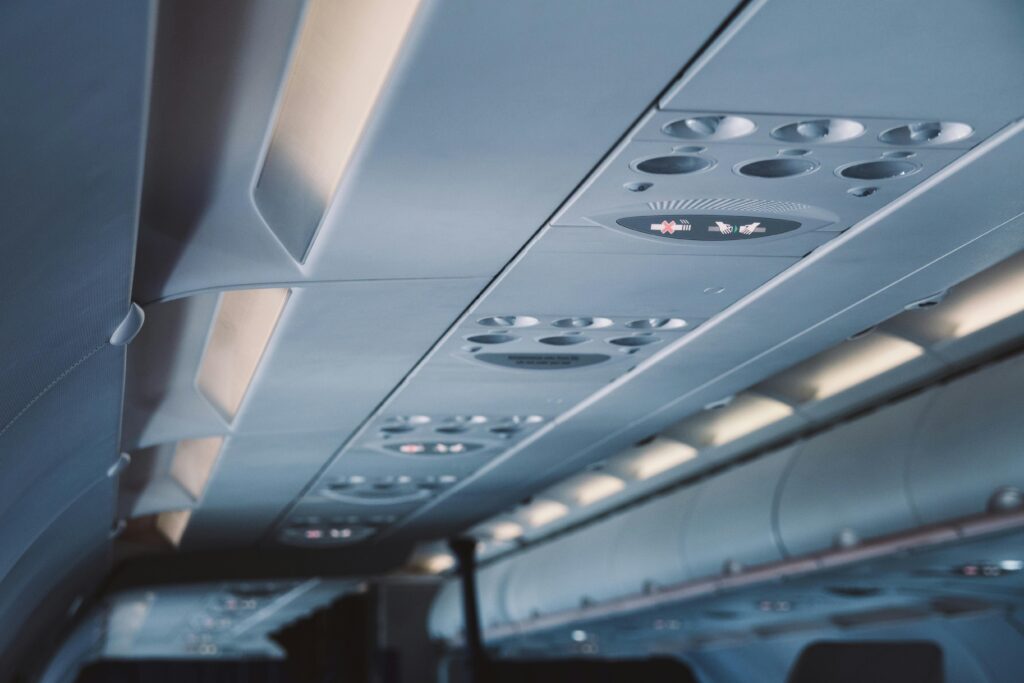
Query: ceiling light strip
(344, 55)
(242, 328)
(193, 463)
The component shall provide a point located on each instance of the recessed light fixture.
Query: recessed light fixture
(659, 456)
(985, 299)
(857, 361)
(241, 331)
(544, 512)
(193, 463)
(744, 415)
(342, 60)
(594, 487)
(506, 531)
(441, 562)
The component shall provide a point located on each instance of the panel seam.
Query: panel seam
(45, 390)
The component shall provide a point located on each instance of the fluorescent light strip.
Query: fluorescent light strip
(746, 414)
(985, 299)
(858, 361)
(344, 55)
(241, 331)
(172, 525)
(193, 462)
(594, 487)
(660, 456)
(436, 564)
(544, 512)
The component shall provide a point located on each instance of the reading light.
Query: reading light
(438, 563)
(660, 456)
(857, 361)
(595, 487)
(545, 511)
(746, 414)
(241, 330)
(506, 531)
(193, 462)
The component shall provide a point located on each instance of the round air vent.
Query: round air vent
(564, 340)
(507, 431)
(862, 191)
(397, 428)
(883, 169)
(656, 324)
(723, 127)
(582, 322)
(508, 321)
(675, 164)
(492, 338)
(452, 429)
(781, 167)
(637, 186)
(819, 130)
(926, 133)
(467, 419)
(639, 340)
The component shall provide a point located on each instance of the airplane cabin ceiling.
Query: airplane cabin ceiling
(518, 240)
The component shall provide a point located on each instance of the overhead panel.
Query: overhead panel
(334, 355)
(776, 229)
(710, 241)
(452, 172)
(240, 333)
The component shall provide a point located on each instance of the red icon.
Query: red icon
(671, 227)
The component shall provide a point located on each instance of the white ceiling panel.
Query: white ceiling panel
(873, 58)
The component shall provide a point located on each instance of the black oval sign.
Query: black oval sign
(707, 227)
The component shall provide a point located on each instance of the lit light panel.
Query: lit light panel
(857, 361)
(660, 456)
(506, 531)
(241, 331)
(746, 414)
(193, 463)
(985, 299)
(344, 55)
(545, 511)
(172, 524)
(594, 487)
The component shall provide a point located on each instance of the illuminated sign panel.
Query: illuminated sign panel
(708, 228)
